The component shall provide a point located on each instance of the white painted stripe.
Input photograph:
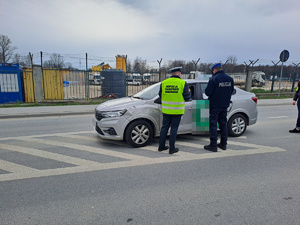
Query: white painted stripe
(47, 155)
(178, 157)
(278, 117)
(15, 168)
(47, 135)
(84, 148)
(23, 172)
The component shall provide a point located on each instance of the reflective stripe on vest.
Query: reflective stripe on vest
(172, 100)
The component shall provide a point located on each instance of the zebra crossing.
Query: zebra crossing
(45, 155)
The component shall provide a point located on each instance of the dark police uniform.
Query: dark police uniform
(296, 98)
(173, 93)
(219, 90)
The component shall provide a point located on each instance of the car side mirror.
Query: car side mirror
(157, 101)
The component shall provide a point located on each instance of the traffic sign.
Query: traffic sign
(284, 56)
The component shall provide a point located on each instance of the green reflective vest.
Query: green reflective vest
(171, 96)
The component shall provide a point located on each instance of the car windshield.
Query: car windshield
(149, 92)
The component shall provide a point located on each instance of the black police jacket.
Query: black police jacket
(219, 90)
(297, 93)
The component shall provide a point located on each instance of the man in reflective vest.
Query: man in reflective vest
(173, 93)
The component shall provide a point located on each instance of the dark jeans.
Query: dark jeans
(172, 121)
(298, 120)
(218, 115)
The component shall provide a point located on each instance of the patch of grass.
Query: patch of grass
(260, 90)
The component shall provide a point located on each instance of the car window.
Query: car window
(149, 92)
(203, 86)
(192, 90)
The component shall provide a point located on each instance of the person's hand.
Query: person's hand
(294, 102)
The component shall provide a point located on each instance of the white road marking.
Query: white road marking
(23, 172)
(84, 148)
(14, 168)
(47, 155)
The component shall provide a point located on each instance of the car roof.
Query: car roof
(189, 81)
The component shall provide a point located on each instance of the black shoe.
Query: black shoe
(223, 147)
(295, 130)
(173, 151)
(163, 149)
(211, 148)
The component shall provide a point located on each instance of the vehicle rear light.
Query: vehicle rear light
(254, 99)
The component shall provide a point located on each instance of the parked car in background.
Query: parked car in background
(137, 119)
(133, 82)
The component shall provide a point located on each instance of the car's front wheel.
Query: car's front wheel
(237, 125)
(139, 133)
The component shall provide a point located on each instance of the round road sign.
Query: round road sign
(284, 56)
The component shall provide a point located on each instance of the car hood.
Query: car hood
(120, 104)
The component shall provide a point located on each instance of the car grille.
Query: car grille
(98, 115)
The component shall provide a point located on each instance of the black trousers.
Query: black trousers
(218, 115)
(172, 121)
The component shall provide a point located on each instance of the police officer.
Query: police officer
(219, 91)
(296, 99)
(173, 93)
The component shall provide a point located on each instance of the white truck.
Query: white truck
(95, 79)
(258, 78)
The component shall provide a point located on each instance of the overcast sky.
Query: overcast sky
(211, 30)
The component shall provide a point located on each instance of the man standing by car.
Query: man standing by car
(219, 90)
(173, 93)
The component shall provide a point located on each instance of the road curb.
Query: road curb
(44, 115)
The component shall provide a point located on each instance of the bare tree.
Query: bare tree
(6, 49)
(231, 63)
(139, 65)
(56, 61)
(129, 66)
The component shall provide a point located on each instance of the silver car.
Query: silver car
(137, 119)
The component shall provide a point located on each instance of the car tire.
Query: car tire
(237, 125)
(138, 133)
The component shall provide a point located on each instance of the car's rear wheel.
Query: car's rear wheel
(139, 133)
(237, 125)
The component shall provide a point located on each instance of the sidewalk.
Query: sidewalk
(40, 111)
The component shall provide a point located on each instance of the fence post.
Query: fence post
(248, 84)
(38, 80)
(87, 85)
(274, 73)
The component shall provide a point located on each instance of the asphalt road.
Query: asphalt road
(56, 170)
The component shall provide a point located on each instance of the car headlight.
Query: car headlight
(113, 113)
